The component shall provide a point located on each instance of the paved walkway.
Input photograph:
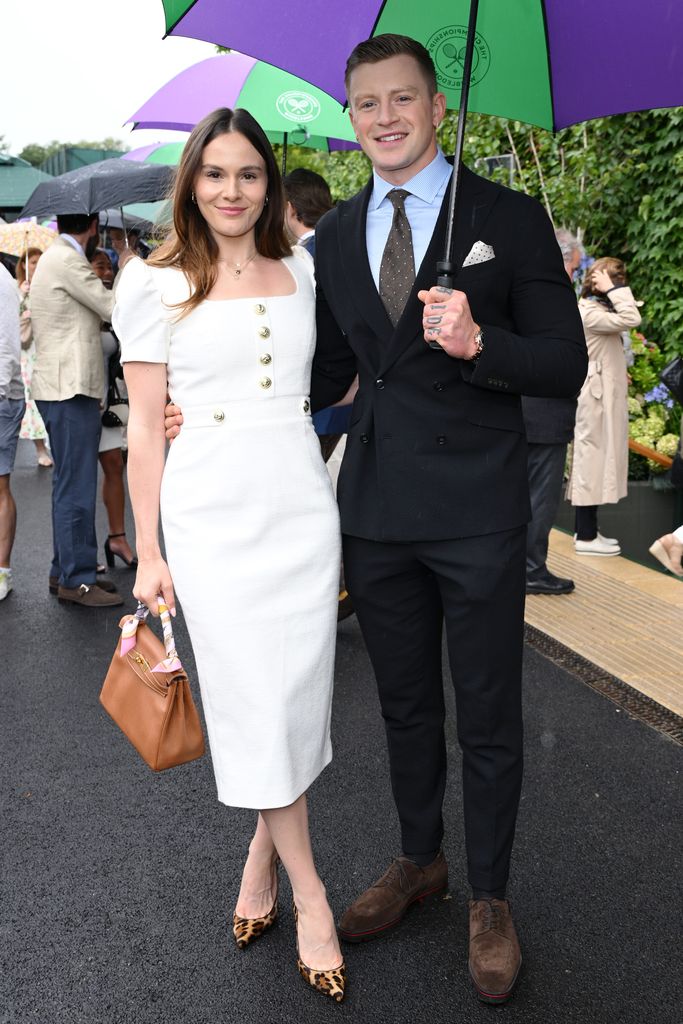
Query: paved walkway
(117, 884)
(624, 617)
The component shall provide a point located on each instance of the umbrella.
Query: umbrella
(287, 108)
(98, 186)
(157, 153)
(19, 236)
(550, 63)
(546, 62)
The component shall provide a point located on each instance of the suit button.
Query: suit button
(264, 332)
(259, 309)
(265, 382)
(441, 439)
(219, 415)
(266, 358)
(379, 384)
(437, 385)
(364, 438)
(306, 406)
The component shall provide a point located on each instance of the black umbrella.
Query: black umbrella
(109, 183)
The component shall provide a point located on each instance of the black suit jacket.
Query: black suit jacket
(436, 446)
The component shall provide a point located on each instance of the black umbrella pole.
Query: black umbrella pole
(445, 268)
(284, 154)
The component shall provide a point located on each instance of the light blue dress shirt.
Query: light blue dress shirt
(422, 206)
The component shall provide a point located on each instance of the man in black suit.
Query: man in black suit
(433, 488)
(549, 425)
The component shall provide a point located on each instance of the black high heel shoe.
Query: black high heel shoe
(132, 563)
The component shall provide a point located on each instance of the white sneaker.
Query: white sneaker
(606, 540)
(599, 546)
(5, 583)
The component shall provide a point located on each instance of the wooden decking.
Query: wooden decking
(623, 617)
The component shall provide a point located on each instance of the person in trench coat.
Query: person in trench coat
(599, 470)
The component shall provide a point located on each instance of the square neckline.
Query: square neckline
(265, 298)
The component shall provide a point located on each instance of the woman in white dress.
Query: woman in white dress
(223, 317)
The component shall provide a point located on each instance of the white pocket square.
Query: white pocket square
(479, 253)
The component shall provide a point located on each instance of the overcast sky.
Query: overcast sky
(76, 69)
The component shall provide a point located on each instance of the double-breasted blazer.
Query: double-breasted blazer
(68, 304)
(436, 446)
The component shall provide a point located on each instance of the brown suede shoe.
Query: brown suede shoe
(385, 903)
(89, 597)
(107, 585)
(495, 957)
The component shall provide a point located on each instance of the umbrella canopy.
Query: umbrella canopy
(550, 63)
(19, 236)
(287, 108)
(157, 153)
(100, 186)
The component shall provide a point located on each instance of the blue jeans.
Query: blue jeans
(73, 427)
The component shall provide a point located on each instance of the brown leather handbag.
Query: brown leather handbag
(147, 693)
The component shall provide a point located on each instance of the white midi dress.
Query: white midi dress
(249, 520)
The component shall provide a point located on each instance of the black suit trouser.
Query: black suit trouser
(403, 594)
(546, 464)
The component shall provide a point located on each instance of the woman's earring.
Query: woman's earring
(266, 200)
(194, 198)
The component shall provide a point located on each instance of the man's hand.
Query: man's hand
(173, 420)
(447, 320)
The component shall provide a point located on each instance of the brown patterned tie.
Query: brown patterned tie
(397, 270)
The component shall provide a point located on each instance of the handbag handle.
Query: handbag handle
(129, 630)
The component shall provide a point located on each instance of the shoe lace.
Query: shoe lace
(395, 874)
(494, 914)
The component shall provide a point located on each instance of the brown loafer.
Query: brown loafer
(89, 597)
(106, 585)
(495, 956)
(385, 903)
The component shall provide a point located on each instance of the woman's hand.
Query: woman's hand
(152, 579)
(601, 281)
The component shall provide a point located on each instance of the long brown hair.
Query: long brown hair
(190, 246)
(26, 255)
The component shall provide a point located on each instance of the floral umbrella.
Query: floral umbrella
(287, 108)
(21, 235)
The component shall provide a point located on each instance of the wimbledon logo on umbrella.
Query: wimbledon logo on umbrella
(298, 106)
(447, 47)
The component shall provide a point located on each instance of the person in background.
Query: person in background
(669, 551)
(12, 405)
(111, 439)
(599, 471)
(549, 424)
(308, 198)
(68, 304)
(32, 426)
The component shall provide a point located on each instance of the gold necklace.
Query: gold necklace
(237, 268)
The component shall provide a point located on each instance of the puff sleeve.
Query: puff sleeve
(140, 319)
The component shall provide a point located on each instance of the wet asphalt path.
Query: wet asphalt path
(117, 884)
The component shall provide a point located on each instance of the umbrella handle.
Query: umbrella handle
(125, 233)
(445, 268)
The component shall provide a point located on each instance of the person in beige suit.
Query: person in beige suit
(599, 472)
(68, 304)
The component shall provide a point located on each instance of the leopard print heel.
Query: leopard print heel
(330, 983)
(248, 929)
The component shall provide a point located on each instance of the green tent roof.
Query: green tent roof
(17, 181)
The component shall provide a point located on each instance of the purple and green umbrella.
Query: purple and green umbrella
(550, 63)
(288, 109)
(157, 153)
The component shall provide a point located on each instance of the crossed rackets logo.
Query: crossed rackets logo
(298, 106)
(447, 47)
